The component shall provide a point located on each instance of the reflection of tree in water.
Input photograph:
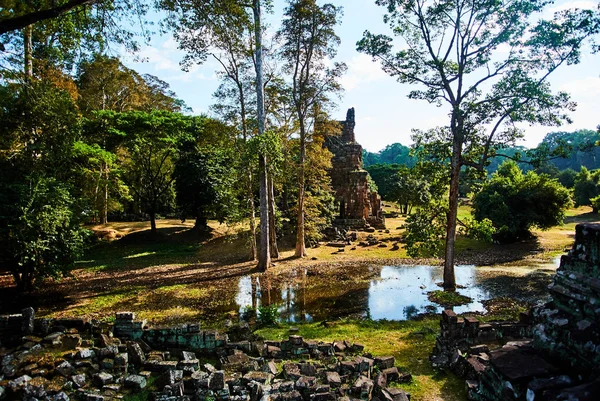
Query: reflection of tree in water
(302, 300)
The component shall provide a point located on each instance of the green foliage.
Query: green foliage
(425, 231)
(567, 178)
(410, 188)
(395, 153)
(479, 230)
(448, 298)
(587, 187)
(268, 315)
(204, 183)
(382, 175)
(41, 237)
(516, 202)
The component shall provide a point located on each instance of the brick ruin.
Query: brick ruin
(358, 206)
(76, 359)
(552, 353)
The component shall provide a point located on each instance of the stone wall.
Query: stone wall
(552, 353)
(188, 336)
(350, 181)
(569, 326)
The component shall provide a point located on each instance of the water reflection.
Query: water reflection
(394, 293)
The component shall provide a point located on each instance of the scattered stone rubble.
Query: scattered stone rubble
(44, 359)
(552, 353)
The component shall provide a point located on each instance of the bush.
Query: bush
(517, 202)
(42, 238)
(268, 315)
(425, 231)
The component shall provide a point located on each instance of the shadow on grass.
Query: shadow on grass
(590, 217)
(499, 253)
(166, 247)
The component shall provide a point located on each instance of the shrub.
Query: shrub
(517, 202)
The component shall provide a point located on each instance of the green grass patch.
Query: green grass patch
(410, 342)
(504, 308)
(448, 298)
(144, 394)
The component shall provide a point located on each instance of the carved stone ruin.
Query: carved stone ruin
(358, 206)
(553, 353)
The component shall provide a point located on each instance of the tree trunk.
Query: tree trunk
(449, 278)
(272, 231)
(104, 213)
(250, 195)
(264, 258)
(153, 222)
(300, 244)
(28, 51)
(201, 223)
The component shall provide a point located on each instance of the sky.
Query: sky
(384, 114)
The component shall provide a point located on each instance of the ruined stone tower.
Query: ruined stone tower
(357, 205)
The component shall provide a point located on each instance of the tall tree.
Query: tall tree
(203, 19)
(489, 63)
(309, 42)
(152, 142)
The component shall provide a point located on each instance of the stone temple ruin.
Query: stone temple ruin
(358, 206)
(552, 353)
(76, 359)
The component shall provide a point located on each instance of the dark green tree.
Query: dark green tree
(383, 175)
(517, 202)
(452, 55)
(42, 237)
(204, 183)
(587, 187)
(152, 145)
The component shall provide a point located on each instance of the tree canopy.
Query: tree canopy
(453, 56)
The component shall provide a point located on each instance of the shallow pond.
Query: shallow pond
(390, 292)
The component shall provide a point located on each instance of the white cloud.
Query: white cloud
(586, 88)
(159, 58)
(361, 69)
(566, 5)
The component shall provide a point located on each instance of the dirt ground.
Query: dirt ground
(179, 274)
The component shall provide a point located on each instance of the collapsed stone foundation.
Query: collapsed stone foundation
(59, 360)
(551, 353)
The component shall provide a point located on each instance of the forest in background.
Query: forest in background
(86, 139)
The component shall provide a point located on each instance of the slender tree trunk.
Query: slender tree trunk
(153, 221)
(28, 51)
(104, 215)
(253, 253)
(264, 259)
(300, 244)
(249, 189)
(272, 231)
(449, 278)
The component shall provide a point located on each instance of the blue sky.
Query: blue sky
(384, 114)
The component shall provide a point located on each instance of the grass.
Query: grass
(180, 276)
(410, 342)
(144, 394)
(448, 298)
